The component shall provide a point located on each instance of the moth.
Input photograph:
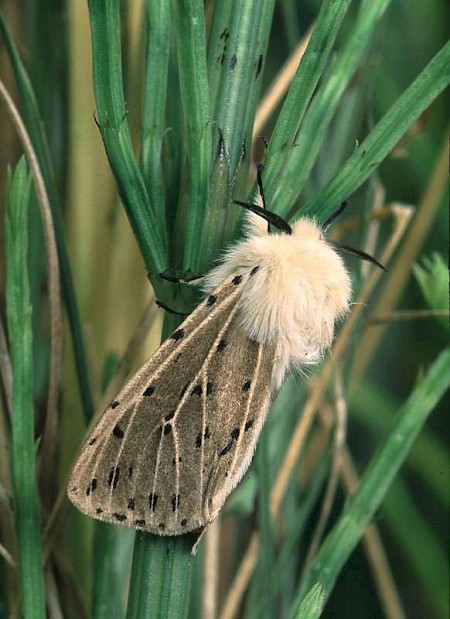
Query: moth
(181, 434)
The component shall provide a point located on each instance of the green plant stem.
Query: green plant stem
(361, 508)
(18, 311)
(160, 577)
(113, 123)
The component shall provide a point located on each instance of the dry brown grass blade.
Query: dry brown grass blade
(279, 86)
(211, 571)
(400, 271)
(406, 315)
(49, 443)
(402, 216)
(338, 447)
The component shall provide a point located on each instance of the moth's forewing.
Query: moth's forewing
(179, 436)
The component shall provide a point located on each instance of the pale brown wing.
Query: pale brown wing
(167, 452)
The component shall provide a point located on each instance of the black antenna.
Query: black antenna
(359, 253)
(259, 171)
(334, 214)
(272, 218)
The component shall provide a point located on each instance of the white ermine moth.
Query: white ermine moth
(180, 435)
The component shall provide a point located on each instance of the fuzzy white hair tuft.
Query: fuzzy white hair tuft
(299, 291)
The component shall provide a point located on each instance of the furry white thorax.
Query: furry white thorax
(299, 291)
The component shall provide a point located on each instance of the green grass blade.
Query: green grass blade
(111, 566)
(112, 119)
(361, 508)
(322, 39)
(18, 312)
(317, 119)
(425, 558)
(385, 135)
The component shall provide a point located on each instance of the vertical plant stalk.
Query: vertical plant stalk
(24, 477)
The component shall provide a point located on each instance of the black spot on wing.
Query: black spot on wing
(211, 299)
(167, 429)
(227, 448)
(246, 386)
(92, 485)
(237, 280)
(152, 501)
(209, 388)
(254, 270)
(183, 522)
(114, 404)
(197, 390)
(92, 440)
(175, 502)
(118, 432)
(248, 424)
(139, 523)
(169, 416)
(221, 345)
(119, 517)
(177, 335)
(99, 510)
(113, 477)
(131, 503)
(183, 391)
(149, 391)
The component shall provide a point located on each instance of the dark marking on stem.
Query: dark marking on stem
(259, 66)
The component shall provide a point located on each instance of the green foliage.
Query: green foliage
(176, 88)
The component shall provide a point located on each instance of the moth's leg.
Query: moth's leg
(189, 279)
(166, 308)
